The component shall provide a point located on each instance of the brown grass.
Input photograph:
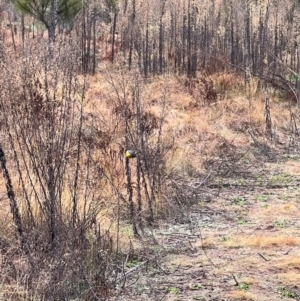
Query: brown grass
(285, 209)
(292, 167)
(290, 263)
(227, 83)
(290, 277)
(260, 241)
(200, 127)
(248, 280)
(241, 295)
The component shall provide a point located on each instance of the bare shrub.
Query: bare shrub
(47, 162)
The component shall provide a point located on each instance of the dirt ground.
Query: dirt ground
(241, 243)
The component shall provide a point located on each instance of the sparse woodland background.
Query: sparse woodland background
(79, 88)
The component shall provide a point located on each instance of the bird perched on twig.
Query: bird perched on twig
(130, 154)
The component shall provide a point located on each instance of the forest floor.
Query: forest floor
(242, 243)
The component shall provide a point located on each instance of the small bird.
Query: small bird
(130, 154)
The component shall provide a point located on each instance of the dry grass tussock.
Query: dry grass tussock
(282, 210)
(241, 295)
(260, 241)
(292, 263)
(291, 278)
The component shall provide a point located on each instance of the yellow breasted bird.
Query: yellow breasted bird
(130, 154)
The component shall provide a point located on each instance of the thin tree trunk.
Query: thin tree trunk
(130, 198)
(12, 34)
(146, 55)
(247, 50)
(189, 42)
(94, 42)
(11, 196)
(53, 23)
(23, 30)
(160, 46)
(131, 30)
(232, 54)
(114, 36)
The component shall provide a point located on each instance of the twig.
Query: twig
(287, 253)
(132, 270)
(163, 297)
(253, 138)
(263, 257)
(123, 271)
(204, 180)
(236, 282)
